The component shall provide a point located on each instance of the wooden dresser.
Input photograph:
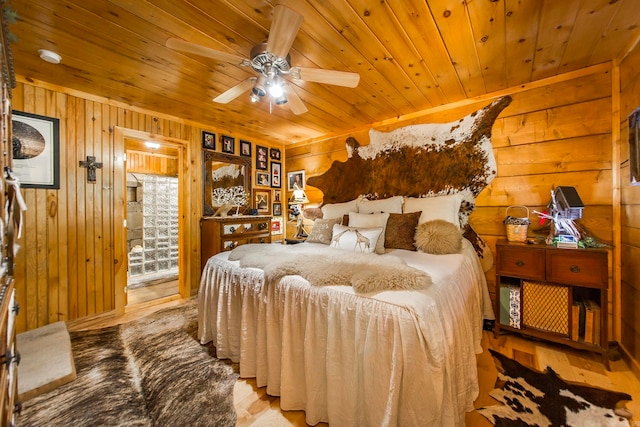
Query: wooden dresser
(9, 356)
(9, 214)
(559, 295)
(218, 234)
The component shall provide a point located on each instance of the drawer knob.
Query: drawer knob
(520, 263)
(574, 269)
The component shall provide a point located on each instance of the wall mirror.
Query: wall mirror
(223, 171)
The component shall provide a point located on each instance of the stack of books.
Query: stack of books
(585, 321)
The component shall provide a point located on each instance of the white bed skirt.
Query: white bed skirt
(347, 359)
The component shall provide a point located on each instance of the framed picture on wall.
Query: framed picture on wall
(276, 226)
(208, 140)
(245, 148)
(36, 148)
(262, 178)
(262, 162)
(276, 174)
(262, 201)
(228, 144)
(295, 178)
(274, 153)
(277, 209)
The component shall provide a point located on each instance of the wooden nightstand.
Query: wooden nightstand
(218, 234)
(559, 295)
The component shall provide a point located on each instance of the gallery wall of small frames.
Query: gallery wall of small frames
(267, 178)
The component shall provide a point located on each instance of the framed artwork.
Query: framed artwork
(36, 150)
(245, 148)
(276, 174)
(295, 177)
(276, 226)
(208, 140)
(262, 201)
(634, 147)
(228, 144)
(274, 153)
(277, 209)
(261, 158)
(262, 178)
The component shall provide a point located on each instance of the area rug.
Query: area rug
(150, 372)
(532, 398)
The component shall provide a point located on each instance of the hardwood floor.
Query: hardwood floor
(255, 408)
(152, 292)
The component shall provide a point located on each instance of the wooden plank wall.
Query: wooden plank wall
(554, 134)
(65, 265)
(152, 163)
(630, 214)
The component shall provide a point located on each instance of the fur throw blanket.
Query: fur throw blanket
(330, 267)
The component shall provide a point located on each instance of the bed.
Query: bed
(387, 357)
(354, 328)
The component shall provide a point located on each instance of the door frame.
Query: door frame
(120, 204)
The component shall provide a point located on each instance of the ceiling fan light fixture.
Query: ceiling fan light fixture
(258, 88)
(275, 89)
(254, 98)
(281, 100)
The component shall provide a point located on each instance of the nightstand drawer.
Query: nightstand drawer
(521, 262)
(577, 267)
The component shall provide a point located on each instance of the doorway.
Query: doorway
(152, 220)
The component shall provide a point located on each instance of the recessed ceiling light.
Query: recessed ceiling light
(49, 56)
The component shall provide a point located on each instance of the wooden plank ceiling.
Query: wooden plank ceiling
(411, 54)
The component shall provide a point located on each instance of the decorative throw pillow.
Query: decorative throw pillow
(391, 205)
(322, 230)
(436, 207)
(439, 237)
(336, 210)
(370, 220)
(355, 239)
(400, 232)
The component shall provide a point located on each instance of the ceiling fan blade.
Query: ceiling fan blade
(189, 47)
(332, 77)
(294, 102)
(235, 91)
(284, 28)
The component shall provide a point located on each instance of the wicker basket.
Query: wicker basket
(517, 227)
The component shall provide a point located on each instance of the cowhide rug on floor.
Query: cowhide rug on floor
(150, 372)
(532, 398)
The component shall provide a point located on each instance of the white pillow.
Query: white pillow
(355, 239)
(390, 205)
(338, 210)
(436, 207)
(371, 220)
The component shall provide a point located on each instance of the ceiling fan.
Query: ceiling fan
(271, 61)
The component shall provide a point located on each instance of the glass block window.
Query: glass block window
(160, 227)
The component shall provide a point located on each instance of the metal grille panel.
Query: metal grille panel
(545, 307)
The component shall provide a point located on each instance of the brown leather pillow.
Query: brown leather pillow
(401, 231)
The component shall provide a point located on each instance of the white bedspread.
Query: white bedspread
(393, 358)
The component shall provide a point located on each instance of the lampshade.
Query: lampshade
(298, 197)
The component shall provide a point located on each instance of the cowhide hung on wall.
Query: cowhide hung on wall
(418, 160)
